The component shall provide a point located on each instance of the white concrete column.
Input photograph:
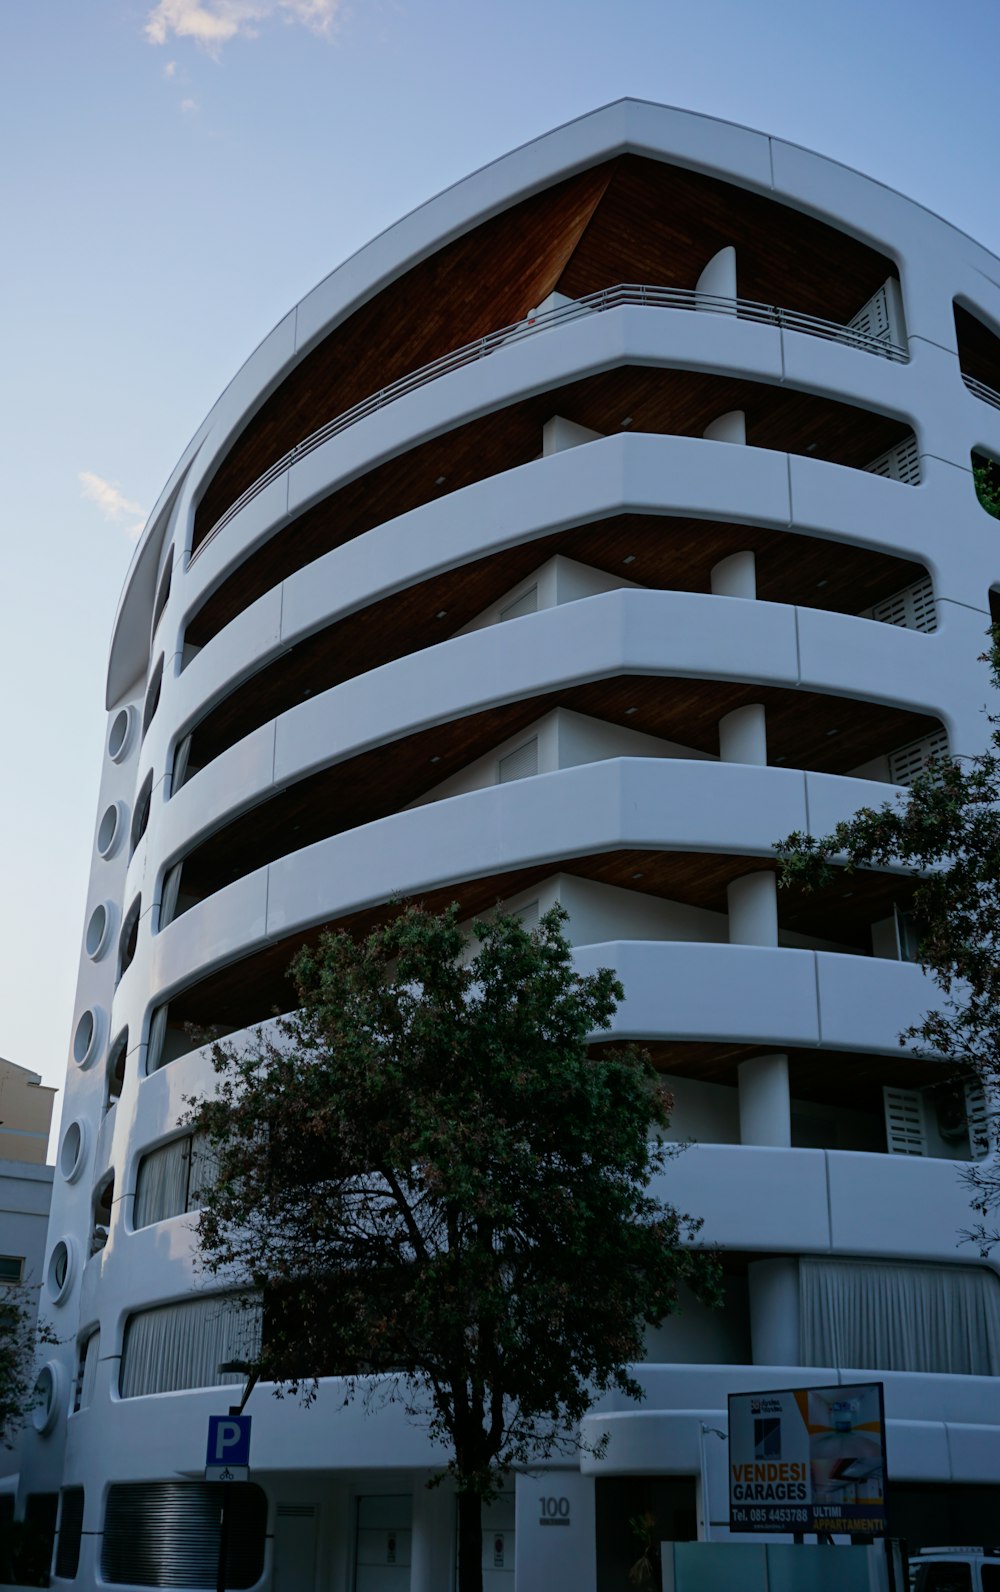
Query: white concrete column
(731, 427)
(765, 1101)
(753, 909)
(735, 576)
(547, 1558)
(718, 280)
(743, 735)
(774, 1311)
(433, 1540)
(559, 433)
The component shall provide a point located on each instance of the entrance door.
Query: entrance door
(382, 1543)
(498, 1544)
(295, 1548)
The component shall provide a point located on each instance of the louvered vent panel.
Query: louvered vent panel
(907, 762)
(527, 603)
(527, 915)
(905, 1133)
(519, 764)
(913, 607)
(296, 1511)
(977, 1116)
(901, 463)
(167, 1534)
(873, 318)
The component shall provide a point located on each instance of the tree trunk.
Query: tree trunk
(470, 1542)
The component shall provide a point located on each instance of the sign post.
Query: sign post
(227, 1460)
(808, 1460)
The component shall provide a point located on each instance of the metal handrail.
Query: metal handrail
(980, 390)
(626, 293)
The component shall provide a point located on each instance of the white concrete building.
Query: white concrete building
(600, 523)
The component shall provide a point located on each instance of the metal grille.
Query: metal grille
(873, 318)
(527, 603)
(166, 1533)
(899, 463)
(913, 607)
(908, 761)
(519, 764)
(70, 1532)
(904, 1121)
(979, 389)
(978, 1117)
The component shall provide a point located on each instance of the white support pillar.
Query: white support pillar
(731, 427)
(765, 1101)
(774, 1311)
(753, 909)
(735, 576)
(433, 1540)
(559, 433)
(718, 281)
(743, 735)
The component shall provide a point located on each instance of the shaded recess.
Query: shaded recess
(805, 729)
(652, 399)
(978, 349)
(656, 553)
(627, 220)
(253, 988)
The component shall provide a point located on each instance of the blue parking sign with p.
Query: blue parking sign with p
(228, 1456)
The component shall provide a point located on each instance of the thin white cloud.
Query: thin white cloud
(113, 503)
(213, 23)
(188, 105)
(170, 70)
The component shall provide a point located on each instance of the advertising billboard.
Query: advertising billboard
(808, 1459)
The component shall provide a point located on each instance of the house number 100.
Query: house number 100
(555, 1512)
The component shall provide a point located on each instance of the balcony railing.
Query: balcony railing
(979, 389)
(610, 298)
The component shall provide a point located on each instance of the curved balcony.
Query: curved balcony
(624, 294)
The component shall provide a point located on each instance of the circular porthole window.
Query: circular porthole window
(110, 829)
(59, 1276)
(73, 1151)
(47, 1396)
(87, 1037)
(98, 931)
(120, 734)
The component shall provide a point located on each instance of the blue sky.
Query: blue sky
(175, 175)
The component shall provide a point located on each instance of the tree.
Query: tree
(20, 1336)
(432, 1182)
(945, 832)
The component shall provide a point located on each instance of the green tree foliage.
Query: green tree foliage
(986, 478)
(439, 1191)
(945, 833)
(19, 1339)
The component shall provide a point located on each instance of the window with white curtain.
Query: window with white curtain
(899, 1316)
(173, 1179)
(182, 1345)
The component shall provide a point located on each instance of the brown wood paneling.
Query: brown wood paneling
(480, 283)
(631, 220)
(661, 224)
(681, 403)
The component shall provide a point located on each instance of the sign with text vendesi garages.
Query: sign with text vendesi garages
(808, 1459)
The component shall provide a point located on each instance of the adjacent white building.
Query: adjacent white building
(602, 522)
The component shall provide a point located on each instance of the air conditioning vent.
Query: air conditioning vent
(901, 463)
(908, 761)
(519, 764)
(913, 607)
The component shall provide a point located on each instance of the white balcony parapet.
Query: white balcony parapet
(623, 294)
